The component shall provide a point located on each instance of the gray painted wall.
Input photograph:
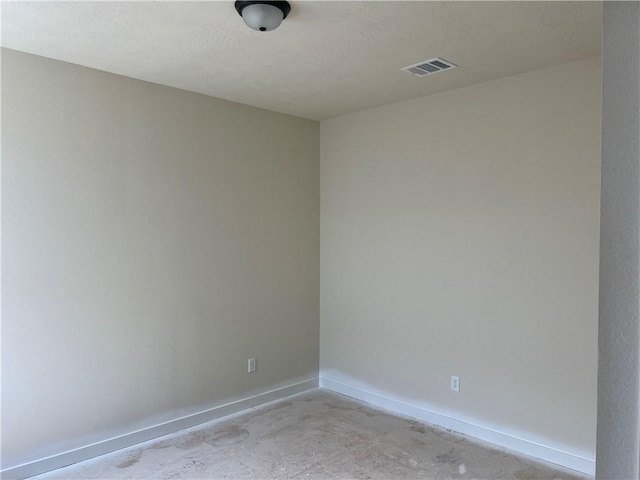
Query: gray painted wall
(153, 240)
(618, 445)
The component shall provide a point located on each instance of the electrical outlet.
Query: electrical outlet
(251, 365)
(455, 384)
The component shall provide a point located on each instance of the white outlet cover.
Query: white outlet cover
(455, 384)
(251, 365)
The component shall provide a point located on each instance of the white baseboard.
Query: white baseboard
(128, 439)
(505, 440)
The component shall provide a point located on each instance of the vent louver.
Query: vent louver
(429, 67)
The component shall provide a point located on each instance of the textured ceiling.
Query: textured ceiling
(327, 58)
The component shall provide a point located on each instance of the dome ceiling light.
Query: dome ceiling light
(263, 16)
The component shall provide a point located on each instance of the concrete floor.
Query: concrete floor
(317, 434)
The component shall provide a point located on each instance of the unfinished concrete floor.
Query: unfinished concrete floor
(317, 434)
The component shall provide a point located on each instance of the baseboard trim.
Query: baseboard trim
(86, 452)
(504, 440)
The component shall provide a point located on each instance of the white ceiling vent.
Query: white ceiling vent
(429, 67)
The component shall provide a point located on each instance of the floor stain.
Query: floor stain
(228, 436)
(420, 443)
(183, 443)
(135, 458)
(272, 409)
(450, 458)
(419, 429)
(364, 410)
(447, 435)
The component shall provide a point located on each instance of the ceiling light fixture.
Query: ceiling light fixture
(263, 15)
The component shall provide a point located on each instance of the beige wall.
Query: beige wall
(153, 240)
(459, 236)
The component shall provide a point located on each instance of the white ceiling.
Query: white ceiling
(327, 58)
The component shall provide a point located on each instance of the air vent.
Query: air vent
(429, 67)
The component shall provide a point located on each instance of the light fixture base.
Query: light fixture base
(263, 15)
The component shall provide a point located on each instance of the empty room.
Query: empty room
(320, 239)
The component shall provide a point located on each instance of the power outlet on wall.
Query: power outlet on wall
(251, 365)
(455, 383)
